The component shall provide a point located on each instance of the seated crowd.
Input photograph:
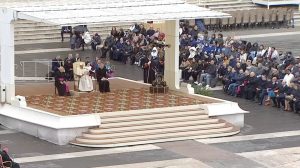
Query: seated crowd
(247, 70)
(137, 45)
(133, 44)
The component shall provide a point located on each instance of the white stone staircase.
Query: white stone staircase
(28, 32)
(297, 18)
(144, 127)
(224, 5)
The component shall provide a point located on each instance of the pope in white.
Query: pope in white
(85, 82)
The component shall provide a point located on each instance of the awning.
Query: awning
(75, 12)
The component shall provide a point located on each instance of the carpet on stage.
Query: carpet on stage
(117, 100)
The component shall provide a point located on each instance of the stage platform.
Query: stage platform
(128, 115)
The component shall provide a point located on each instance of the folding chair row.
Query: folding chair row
(252, 18)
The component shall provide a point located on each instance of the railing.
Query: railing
(269, 3)
(35, 70)
(38, 70)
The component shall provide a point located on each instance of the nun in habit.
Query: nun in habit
(150, 66)
(192, 51)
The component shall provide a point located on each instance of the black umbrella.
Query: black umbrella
(80, 28)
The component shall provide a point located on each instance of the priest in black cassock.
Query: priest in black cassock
(150, 66)
(61, 83)
(102, 78)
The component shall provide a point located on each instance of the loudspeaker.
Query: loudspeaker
(19, 101)
(2, 93)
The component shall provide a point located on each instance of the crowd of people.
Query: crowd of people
(251, 71)
(86, 71)
(137, 46)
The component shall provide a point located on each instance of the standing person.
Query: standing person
(69, 69)
(61, 82)
(56, 63)
(73, 42)
(81, 41)
(128, 49)
(85, 81)
(77, 58)
(101, 74)
(150, 66)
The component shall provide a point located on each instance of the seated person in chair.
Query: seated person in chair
(6, 160)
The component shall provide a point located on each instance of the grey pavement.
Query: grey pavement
(107, 160)
(263, 119)
(205, 153)
(259, 144)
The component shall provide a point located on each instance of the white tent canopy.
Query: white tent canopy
(74, 12)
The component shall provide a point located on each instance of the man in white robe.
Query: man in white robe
(85, 81)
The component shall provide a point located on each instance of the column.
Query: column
(171, 74)
(7, 70)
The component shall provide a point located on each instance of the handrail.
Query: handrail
(47, 63)
(269, 3)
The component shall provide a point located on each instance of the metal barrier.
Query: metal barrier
(35, 70)
(38, 70)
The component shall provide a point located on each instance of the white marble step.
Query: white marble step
(203, 118)
(183, 133)
(102, 130)
(237, 7)
(158, 140)
(222, 3)
(161, 131)
(154, 117)
(148, 112)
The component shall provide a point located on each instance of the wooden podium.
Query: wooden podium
(78, 72)
(159, 85)
(159, 89)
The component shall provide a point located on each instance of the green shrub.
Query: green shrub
(202, 90)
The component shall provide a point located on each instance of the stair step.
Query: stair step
(154, 116)
(232, 6)
(161, 131)
(148, 141)
(220, 3)
(30, 32)
(145, 112)
(102, 130)
(153, 137)
(203, 119)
